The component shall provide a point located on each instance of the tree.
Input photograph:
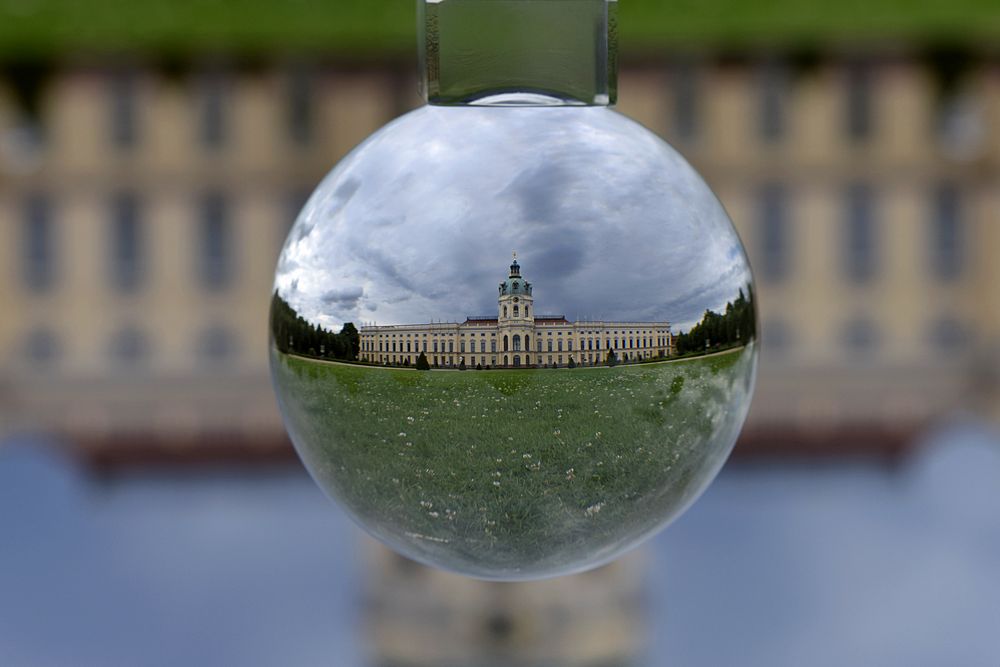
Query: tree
(479, 367)
(422, 364)
(571, 364)
(293, 334)
(461, 365)
(351, 339)
(735, 326)
(611, 359)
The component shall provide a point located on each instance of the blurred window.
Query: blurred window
(129, 347)
(217, 344)
(946, 238)
(860, 235)
(216, 251)
(961, 125)
(948, 334)
(773, 100)
(686, 105)
(861, 336)
(295, 201)
(300, 106)
(124, 110)
(41, 348)
(126, 243)
(859, 101)
(774, 230)
(212, 125)
(776, 335)
(39, 243)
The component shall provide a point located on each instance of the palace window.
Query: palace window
(211, 125)
(216, 241)
(517, 311)
(860, 247)
(539, 345)
(451, 347)
(216, 344)
(124, 110)
(517, 343)
(39, 244)
(300, 107)
(946, 237)
(461, 347)
(859, 102)
(948, 334)
(126, 243)
(493, 346)
(776, 335)
(506, 345)
(482, 346)
(550, 345)
(773, 78)
(435, 346)
(41, 347)
(686, 103)
(774, 229)
(560, 345)
(129, 347)
(860, 336)
(505, 311)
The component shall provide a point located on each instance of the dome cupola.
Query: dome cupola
(515, 283)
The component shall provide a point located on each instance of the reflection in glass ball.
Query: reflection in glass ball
(513, 418)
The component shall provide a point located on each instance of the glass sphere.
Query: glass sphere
(579, 396)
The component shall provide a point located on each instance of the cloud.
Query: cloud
(418, 225)
(346, 297)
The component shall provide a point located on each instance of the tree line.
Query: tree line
(293, 334)
(736, 326)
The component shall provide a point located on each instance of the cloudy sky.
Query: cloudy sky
(419, 223)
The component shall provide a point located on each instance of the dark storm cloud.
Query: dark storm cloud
(344, 298)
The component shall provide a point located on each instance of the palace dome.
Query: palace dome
(515, 284)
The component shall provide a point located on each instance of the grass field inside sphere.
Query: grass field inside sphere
(515, 473)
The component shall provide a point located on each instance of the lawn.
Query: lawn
(518, 472)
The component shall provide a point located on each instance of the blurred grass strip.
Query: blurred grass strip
(386, 28)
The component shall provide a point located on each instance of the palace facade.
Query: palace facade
(516, 337)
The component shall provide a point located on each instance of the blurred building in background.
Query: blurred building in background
(594, 619)
(142, 209)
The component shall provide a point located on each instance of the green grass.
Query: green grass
(377, 28)
(515, 472)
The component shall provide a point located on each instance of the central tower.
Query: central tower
(515, 317)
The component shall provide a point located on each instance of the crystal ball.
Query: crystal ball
(513, 342)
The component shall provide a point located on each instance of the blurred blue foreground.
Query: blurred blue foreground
(843, 564)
